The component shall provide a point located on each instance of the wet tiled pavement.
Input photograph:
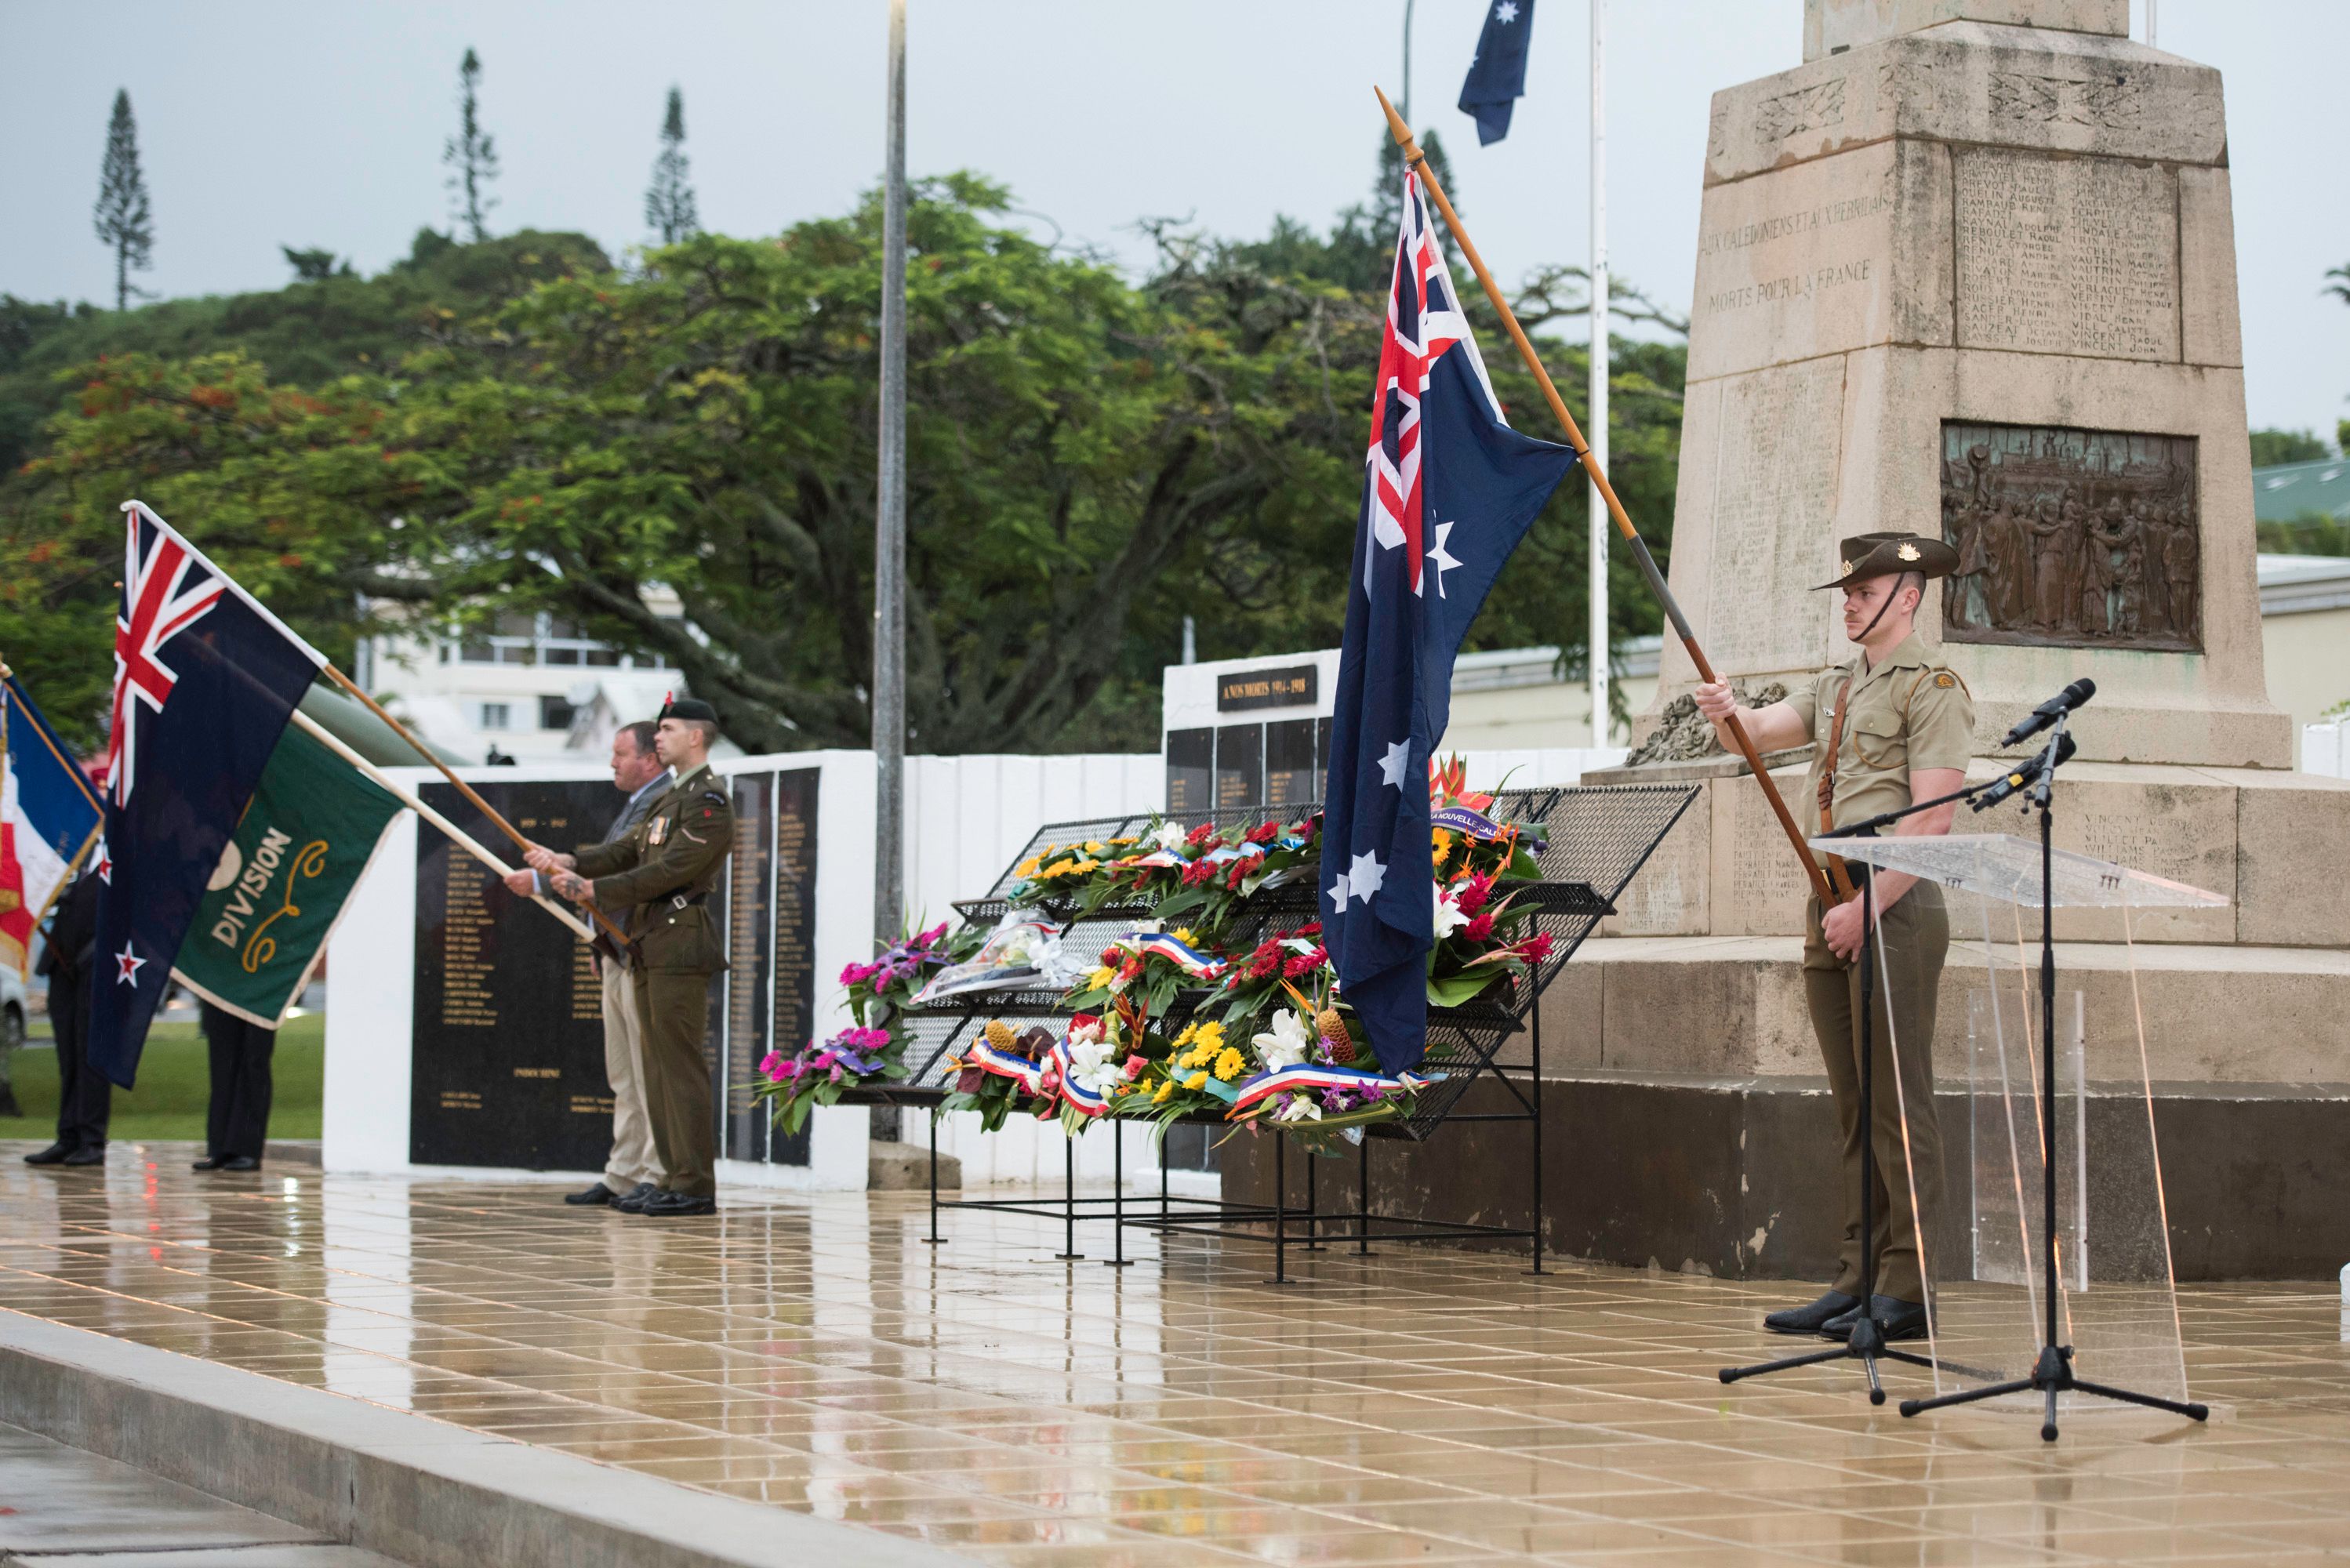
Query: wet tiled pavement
(1416, 1406)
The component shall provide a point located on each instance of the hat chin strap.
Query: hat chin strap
(1862, 638)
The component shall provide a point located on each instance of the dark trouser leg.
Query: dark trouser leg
(252, 1090)
(673, 1010)
(222, 1041)
(1916, 935)
(85, 1099)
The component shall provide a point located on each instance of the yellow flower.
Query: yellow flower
(1184, 934)
(1229, 1065)
(1119, 843)
(1089, 864)
(1165, 1089)
(1443, 842)
(1028, 868)
(1101, 979)
(1185, 1038)
(1196, 1081)
(1095, 847)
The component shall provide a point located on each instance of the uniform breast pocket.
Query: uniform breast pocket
(1877, 740)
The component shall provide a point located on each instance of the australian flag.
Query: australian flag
(203, 682)
(1449, 489)
(1497, 77)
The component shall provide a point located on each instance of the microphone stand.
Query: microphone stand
(2052, 1373)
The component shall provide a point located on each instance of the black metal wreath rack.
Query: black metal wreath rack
(1597, 838)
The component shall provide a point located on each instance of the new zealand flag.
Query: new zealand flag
(203, 682)
(1449, 489)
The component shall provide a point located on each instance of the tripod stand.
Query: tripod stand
(2051, 1372)
(1868, 1344)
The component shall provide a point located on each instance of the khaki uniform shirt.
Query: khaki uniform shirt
(660, 873)
(1909, 714)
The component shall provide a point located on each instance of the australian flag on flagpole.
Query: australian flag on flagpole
(1497, 77)
(1449, 489)
(205, 679)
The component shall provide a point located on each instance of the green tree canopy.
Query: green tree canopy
(1090, 460)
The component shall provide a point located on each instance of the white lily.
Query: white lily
(1169, 836)
(1449, 917)
(1286, 1044)
(1299, 1108)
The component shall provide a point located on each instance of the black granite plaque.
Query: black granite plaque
(792, 925)
(1240, 765)
(1289, 763)
(508, 1037)
(1190, 770)
(743, 1120)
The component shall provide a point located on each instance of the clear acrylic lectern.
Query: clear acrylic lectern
(1983, 1236)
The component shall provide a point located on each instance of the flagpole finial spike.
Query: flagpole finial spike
(1397, 127)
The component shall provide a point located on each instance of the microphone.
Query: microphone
(2025, 774)
(2048, 712)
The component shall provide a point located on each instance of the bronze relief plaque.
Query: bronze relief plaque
(2072, 538)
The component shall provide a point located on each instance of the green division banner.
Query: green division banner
(306, 838)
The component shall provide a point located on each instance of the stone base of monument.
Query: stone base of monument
(906, 1167)
(1734, 1176)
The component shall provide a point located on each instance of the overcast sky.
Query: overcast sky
(321, 124)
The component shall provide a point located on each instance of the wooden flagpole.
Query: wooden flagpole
(620, 938)
(1592, 466)
(463, 840)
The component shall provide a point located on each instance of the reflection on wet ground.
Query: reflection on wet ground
(1422, 1406)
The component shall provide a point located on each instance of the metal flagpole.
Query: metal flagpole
(890, 518)
(1417, 160)
(1597, 663)
(890, 539)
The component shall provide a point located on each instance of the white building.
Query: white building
(527, 686)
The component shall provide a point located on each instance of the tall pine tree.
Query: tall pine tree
(669, 200)
(122, 218)
(471, 154)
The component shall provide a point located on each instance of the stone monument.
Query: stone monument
(1971, 267)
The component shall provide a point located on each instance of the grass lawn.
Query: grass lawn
(175, 1083)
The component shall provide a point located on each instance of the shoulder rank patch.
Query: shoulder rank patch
(1945, 679)
(658, 831)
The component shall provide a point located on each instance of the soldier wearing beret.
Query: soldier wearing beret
(656, 878)
(1895, 724)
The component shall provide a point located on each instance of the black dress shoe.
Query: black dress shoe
(240, 1162)
(599, 1193)
(677, 1205)
(53, 1155)
(1812, 1318)
(210, 1162)
(1899, 1319)
(634, 1203)
(88, 1154)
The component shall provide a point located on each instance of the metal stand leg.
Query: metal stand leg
(1534, 1054)
(1162, 1178)
(934, 1239)
(1068, 1253)
(1117, 1258)
(1363, 1184)
(1313, 1208)
(1280, 1208)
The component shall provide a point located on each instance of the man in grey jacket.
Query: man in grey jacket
(633, 1172)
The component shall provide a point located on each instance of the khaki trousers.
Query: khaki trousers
(1915, 934)
(633, 1159)
(674, 1012)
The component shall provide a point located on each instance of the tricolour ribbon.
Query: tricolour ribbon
(1314, 1075)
